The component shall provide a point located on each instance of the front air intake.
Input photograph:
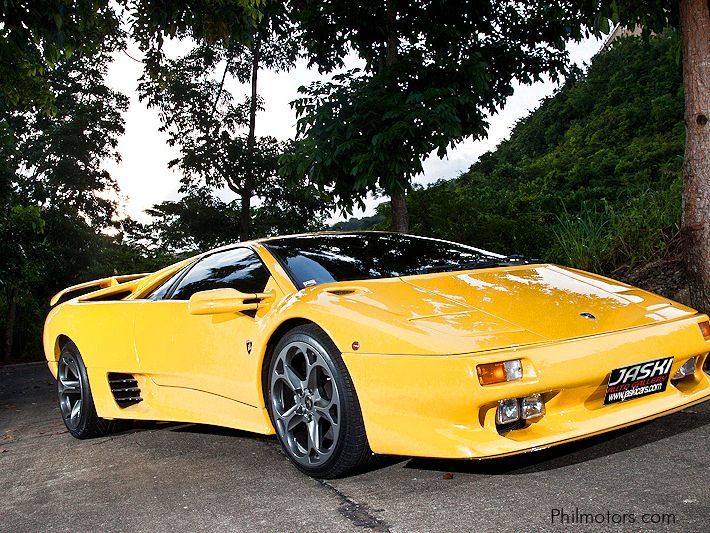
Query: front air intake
(124, 388)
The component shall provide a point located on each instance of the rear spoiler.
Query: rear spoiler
(102, 283)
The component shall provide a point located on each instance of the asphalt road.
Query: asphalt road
(164, 477)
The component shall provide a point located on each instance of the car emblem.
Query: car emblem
(590, 316)
(249, 345)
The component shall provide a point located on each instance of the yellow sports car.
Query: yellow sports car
(349, 344)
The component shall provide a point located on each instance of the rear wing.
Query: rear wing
(102, 283)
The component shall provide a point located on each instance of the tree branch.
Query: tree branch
(230, 55)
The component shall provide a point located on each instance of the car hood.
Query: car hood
(551, 302)
(479, 310)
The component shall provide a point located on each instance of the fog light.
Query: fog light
(508, 411)
(499, 372)
(532, 407)
(688, 369)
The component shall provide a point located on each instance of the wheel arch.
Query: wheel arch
(61, 341)
(274, 338)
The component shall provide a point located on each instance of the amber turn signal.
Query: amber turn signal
(491, 373)
(705, 329)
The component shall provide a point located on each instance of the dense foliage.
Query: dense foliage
(591, 178)
(433, 71)
(38, 35)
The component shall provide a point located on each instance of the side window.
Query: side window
(162, 290)
(239, 268)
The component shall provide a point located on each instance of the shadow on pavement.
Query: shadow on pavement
(543, 460)
(571, 453)
(204, 429)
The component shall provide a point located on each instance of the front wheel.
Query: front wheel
(75, 401)
(314, 407)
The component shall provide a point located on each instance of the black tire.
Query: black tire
(350, 451)
(86, 423)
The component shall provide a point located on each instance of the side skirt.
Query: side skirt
(178, 404)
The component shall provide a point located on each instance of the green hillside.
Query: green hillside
(591, 178)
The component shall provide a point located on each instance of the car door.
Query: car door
(207, 353)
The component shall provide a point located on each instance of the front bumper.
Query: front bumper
(433, 406)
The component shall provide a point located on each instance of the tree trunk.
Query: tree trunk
(248, 188)
(400, 216)
(10, 324)
(695, 227)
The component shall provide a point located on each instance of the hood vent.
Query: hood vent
(124, 388)
(343, 291)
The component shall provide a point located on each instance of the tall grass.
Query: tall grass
(603, 237)
(582, 239)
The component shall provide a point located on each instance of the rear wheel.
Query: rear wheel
(75, 401)
(314, 407)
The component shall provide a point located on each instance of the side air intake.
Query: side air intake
(124, 388)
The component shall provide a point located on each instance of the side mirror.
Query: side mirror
(218, 301)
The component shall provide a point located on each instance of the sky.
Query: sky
(143, 175)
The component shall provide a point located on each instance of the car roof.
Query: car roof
(264, 240)
(319, 233)
(296, 236)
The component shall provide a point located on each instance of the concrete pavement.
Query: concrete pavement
(165, 477)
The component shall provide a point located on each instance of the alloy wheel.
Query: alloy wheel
(305, 402)
(70, 388)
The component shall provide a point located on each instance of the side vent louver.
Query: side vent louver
(124, 388)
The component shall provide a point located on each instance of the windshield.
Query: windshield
(315, 259)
